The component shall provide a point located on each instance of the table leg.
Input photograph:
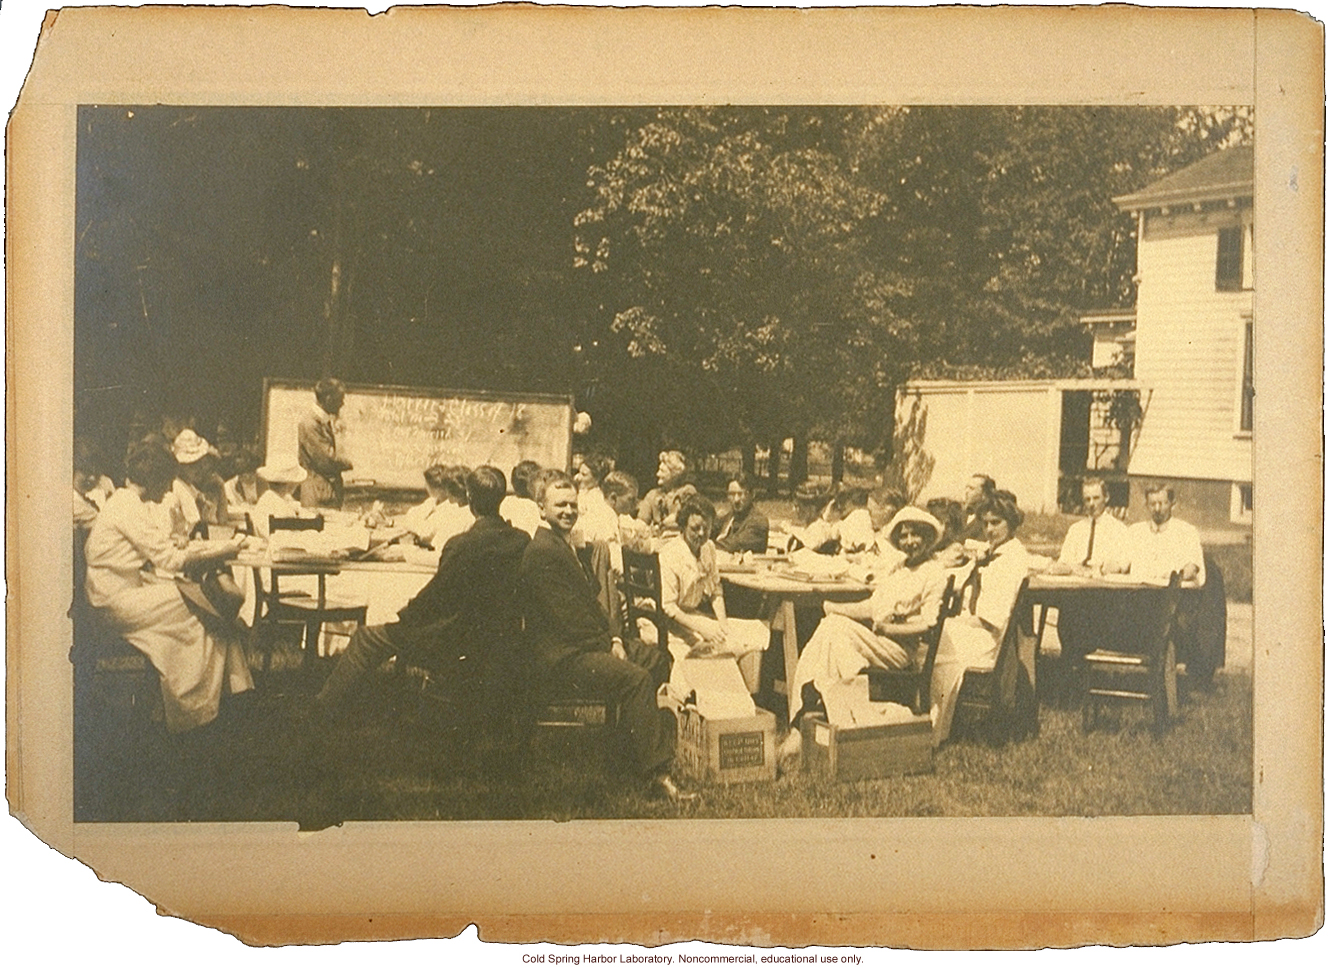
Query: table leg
(789, 629)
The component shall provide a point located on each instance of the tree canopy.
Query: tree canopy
(706, 276)
(774, 271)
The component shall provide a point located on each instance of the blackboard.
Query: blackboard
(392, 434)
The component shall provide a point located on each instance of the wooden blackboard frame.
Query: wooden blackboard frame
(434, 393)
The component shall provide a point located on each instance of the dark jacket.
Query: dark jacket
(472, 599)
(750, 532)
(563, 614)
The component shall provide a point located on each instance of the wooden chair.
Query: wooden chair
(642, 593)
(1001, 703)
(1144, 674)
(99, 654)
(273, 607)
(642, 590)
(912, 687)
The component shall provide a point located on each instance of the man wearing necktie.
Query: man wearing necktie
(1089, 545)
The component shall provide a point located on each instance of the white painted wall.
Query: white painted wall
(1009, 430)
(1189, 352)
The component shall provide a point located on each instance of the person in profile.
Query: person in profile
(659, 507)
(977, 492)
(464, 622)
(319, 451)
(572, 652)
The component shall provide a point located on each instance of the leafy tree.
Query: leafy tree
(780, 271)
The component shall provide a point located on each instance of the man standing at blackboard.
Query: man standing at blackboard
(318, 448)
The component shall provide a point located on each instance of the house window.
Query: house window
(1247, 381)
(1230, 259)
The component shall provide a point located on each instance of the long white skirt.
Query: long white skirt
(839, 650)
(965, 644)
(748, 639)
(194, 664)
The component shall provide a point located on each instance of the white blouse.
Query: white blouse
(127, 537)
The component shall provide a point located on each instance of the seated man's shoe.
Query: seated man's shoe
(664, 787)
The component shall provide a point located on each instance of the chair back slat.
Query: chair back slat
(643, 590)
(275, 523)
(951, 604)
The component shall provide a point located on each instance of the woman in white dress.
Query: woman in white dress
(971, 639)
(132, 564)
(883, 631)
(692, 596)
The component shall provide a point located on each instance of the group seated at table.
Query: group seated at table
(1150, 551)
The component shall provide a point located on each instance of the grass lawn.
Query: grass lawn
(394, 757)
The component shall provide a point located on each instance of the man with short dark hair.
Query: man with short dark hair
(1091, 543)
(1089, 546)
(745, 528)
(318, 448)
(1163, 544)
(571, 648)
(465, 621)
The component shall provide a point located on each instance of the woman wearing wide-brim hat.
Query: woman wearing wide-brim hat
(883, 631)
(278, 497)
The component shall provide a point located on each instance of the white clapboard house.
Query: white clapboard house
(1172, 397)
(1194, 335)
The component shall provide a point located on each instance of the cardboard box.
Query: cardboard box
(866, 752)
(726, 750)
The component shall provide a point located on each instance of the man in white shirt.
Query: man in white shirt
(1091, 543)
(518, 508)
(1163, 544)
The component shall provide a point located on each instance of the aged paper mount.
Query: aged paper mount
(1011, 882)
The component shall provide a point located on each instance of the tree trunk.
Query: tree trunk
(798, 462)
(749, 458)
(886, 452)
(837, 464)
(772, 471)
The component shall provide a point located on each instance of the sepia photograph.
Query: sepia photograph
(906, 451)
(806, 501)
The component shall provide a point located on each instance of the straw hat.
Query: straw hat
(912, 515)
(189, 447)
(282, 474)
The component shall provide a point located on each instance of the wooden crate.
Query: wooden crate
(866, 752)
(726, 750)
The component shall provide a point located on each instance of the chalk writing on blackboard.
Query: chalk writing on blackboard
(392, 434)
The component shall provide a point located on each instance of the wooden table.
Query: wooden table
(1056, 591)
(1145, 599)
(783, 594)
(386, 586)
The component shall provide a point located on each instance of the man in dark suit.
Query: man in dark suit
(465, 623)
(571, 646)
